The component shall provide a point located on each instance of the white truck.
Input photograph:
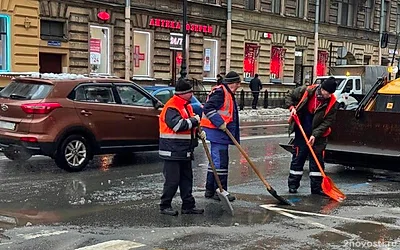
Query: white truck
(353, 81)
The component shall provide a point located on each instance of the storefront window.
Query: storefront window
(277, 63)
(321, 64)
(5, 43)
(99, 46)
(210, 58)
(141, 54)
(251, 51)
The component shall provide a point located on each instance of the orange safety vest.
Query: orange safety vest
(328, 108)
(181, 139)
(226, 111)
(312, 87)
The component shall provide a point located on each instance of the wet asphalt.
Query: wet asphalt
(115, 198)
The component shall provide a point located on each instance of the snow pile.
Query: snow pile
(270, 114)
(62, 76)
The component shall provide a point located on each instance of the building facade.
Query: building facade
(88, 37)
(275, 38)
(19, 35)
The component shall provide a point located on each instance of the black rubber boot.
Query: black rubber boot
(192, 211)
(169, 211)
(319, 192)
(209, 193)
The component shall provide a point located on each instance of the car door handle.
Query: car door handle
(130, 117)
(86, 113)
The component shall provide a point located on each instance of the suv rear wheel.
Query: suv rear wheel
(74, 153)
(17, 155)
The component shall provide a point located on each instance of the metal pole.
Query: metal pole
(395, 49)
(395, 46)
(316, 39)
(330, 55)
(381, 31)
(228, 37)
(183, 66)
(127, 39)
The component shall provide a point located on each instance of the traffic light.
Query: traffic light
(384, 40)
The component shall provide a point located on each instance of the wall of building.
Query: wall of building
(283, 26)
(267, 26)
(24, 36)
(78, 17)
(198, 14)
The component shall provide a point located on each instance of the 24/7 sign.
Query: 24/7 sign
(175, 42)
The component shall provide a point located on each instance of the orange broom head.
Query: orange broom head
(331, 190)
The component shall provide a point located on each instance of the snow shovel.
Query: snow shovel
(222, 194)
(327, 185)
(272, 191)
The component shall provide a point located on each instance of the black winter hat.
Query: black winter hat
(329, 85)
(232, 77)
(183, 87)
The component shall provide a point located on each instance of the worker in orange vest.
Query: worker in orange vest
(316, 108)
(178, 137)
(220, 113)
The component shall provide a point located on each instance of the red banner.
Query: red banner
(251, 52)
(321, 63)
(277, 61)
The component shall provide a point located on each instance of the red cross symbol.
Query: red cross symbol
(137, 56)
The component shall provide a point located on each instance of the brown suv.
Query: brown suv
(71, 118)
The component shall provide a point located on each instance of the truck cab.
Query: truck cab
(354, 81)
(345, 84)
(348, 91)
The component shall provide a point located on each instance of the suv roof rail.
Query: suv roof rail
(56, 76)
(101, 75)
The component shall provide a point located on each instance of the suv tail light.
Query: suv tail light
(29, 139)
(40, 108)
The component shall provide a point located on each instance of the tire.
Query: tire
(17, 155)
(74, 153)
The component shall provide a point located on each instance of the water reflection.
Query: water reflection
(14, 217)
(106, 162)
(244, 168)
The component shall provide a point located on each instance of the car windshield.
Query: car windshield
(25, 91)
(340, 82)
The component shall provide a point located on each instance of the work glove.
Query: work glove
(197, 117)
(195, 120)
(293, 111)
(223, 127)
(202, 135)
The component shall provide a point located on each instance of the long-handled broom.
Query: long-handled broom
(269, 188)
(327, 185)
(222, 194)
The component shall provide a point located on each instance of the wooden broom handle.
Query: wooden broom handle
(248, 159)
(216, 177)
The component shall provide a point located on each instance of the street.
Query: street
(114, 202)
